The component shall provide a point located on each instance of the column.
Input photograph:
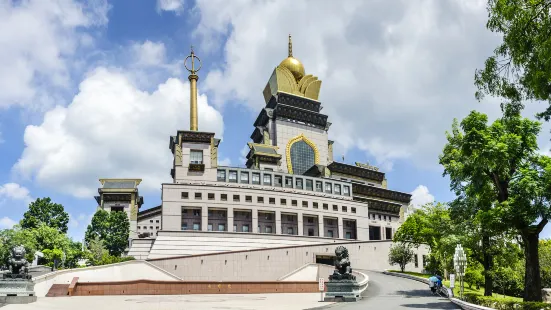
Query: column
(204, 218)
(320, 226)
(341, 228)
(300, 223)
(229, 218)
(255, 220)
(278, 222)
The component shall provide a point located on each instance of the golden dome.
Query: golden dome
(293, 64)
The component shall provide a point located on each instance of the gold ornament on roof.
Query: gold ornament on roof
(290, 77)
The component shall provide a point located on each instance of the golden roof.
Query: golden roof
(293, 64)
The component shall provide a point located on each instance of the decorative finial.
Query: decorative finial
(192, 70)
(290, 46)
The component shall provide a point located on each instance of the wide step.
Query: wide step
(58, 290)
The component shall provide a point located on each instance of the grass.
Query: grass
(466, 288)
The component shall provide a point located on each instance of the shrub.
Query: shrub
(500, 303)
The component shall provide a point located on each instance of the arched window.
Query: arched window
(302, 157)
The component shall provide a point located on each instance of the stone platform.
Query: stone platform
(16, 291)
(342, 291)
(17, 299)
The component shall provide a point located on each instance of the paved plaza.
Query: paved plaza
(384, 292)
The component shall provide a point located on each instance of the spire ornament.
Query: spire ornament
(290, 46)
(193, 77)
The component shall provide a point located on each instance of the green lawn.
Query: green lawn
(466, 289)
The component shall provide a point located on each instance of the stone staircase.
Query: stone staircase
(58, 290)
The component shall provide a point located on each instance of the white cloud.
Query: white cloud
(421, 196)
(224, 162)
(14, 191)
(176, 6)
(394, 73)
(111, 129)
(6, 223)
(149, 53)
(39, 40)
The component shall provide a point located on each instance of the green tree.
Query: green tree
(113, 228)
(400, 254)
(504, 156)
(43, 210)
(545, 262)
(519, 68)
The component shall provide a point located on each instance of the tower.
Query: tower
(290, 133)
(195, 153)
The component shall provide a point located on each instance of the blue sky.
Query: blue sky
(94, 89)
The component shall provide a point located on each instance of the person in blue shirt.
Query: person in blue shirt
(435, 284)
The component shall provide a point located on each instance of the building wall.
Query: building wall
(182, 172)
(271, 264)
(212, 197)
(149, 225)
(286, 131)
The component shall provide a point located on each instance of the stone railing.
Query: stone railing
(447, 292)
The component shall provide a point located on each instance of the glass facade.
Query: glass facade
(302, 157)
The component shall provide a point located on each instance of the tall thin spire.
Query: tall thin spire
(193, 77)
(290, 46)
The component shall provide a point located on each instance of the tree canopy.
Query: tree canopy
(44, 211)
(112, 228)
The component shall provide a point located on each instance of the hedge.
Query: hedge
(504, 304)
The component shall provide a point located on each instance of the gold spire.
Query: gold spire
(290, 46)
(293, 64)
(193, 77)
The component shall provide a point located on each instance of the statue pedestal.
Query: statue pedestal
(342, 290)
(16, 291)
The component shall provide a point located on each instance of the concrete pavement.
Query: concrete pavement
(388, 292)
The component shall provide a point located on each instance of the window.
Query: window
(234, 228)
(346, 190)
(310, 231)
(247, 198)
(259, 231)
(260, 199)
(221, 175)
(244, 177)
(315, 205)
(283, 202)
(209, 227)
(309, 185)
(185, 195)
(344, 209)
(224, 197)
(319, 187)
(245, 228)
(268, 169)
(267, 179)
(184, 211)
(145, 227)
(305, 204)
(211, 196)
(302, 157)
(256, 178)
(184, 226)
(196, 226)
(196, 157)
(268, 229)
(348, 235)
(156, 227)
(150, 221)
(328, 188)
(138, 227)
(310, 220)
(289, 230)
(157, 221)
(298, 183)
(232, 176)
(293, 203)
(337, 189)
(330, 233)
(196, 212)
(379, 217)
(416, 260)
(388, 233)
(289, 182)
(325, 206)
(221, 227)
(335, 208)
(198, 196)
(353, 210)
(329, 222)
(424, 260)
(272, 201)
(278, 180)
(236, 198)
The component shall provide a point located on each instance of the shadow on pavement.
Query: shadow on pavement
(432, 305)
(415, 293)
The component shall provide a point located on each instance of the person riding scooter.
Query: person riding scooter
(435, 284)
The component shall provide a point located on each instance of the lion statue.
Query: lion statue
(18, 265)
(343, 271)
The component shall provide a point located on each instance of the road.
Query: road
(389, 292)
